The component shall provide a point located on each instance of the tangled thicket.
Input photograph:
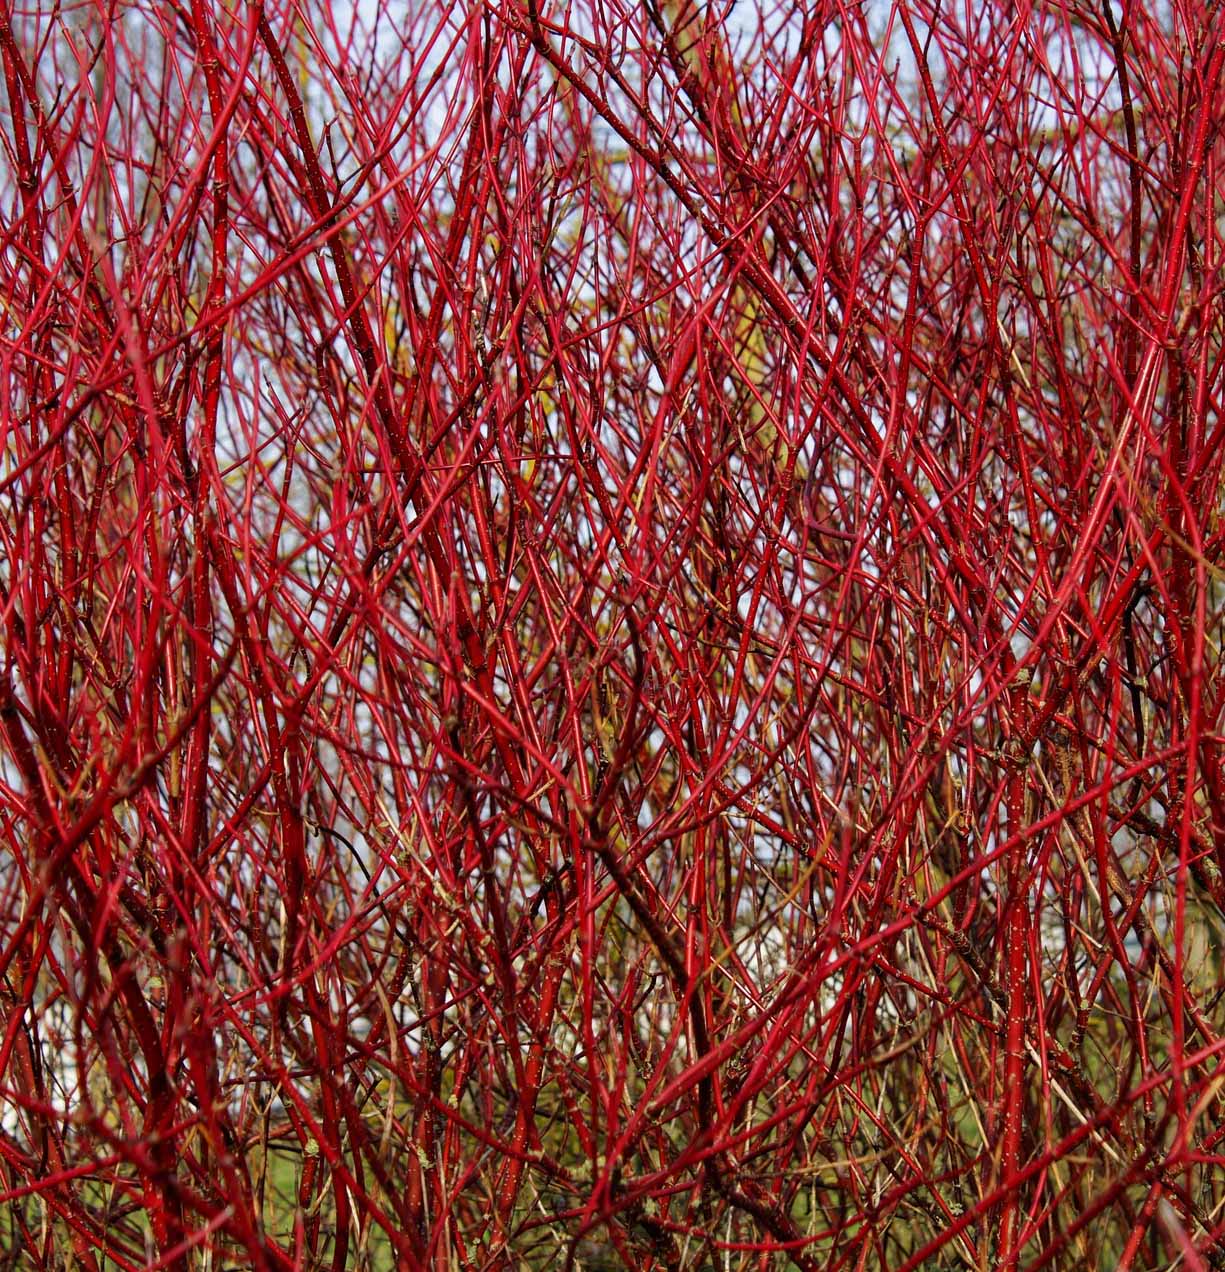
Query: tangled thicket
(611, 617)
